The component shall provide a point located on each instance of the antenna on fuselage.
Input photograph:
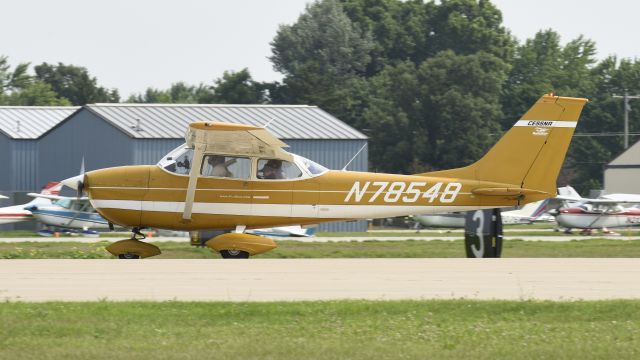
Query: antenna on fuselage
(354, 157)
(268, 122)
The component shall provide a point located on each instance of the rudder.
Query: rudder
(531, 153)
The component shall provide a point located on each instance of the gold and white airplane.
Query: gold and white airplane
(237, 177)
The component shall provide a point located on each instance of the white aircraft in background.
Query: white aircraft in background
(3, 197)
(532, 212)
(67, 213)
(607, 211)
(285, 231)
(18, 213)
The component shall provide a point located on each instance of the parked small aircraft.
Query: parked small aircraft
(67, 213)
(284, 231)
(529, 213)
(237, 177)
(18, 213)
(605, 212)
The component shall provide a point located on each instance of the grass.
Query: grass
(452, 329)
(367, 249)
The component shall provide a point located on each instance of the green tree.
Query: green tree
(15, 79)
(323, 57)
(178, 93)
(238, 88)
(75, 84)
(443, 113)
(18, 88)
(36, 93)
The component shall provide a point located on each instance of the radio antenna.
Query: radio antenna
(268, 122)
(354, 157)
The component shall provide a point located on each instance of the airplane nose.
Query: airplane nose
(74, 182)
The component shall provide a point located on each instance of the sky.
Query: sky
(134, 44)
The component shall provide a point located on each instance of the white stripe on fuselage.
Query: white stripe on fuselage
(280, 210)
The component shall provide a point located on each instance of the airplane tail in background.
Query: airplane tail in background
(52, 188)
(529, 156)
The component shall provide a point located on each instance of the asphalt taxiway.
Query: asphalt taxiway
(318, 279)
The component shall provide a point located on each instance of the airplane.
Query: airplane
(284, 231)
(529, 213)
(18, 213)
(262, 185)
(68, 213)
(3, 197)
(602, 213)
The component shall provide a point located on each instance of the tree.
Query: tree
(13, 80)
(178, 93)
(323, 56)
(75, 84)
(443, 113)
(36, 93)
(238, 88)
(18, 88)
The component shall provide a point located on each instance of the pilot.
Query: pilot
(217, 166)
(273, 170)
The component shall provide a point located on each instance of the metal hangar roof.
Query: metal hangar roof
(158, 121)
(31, 122)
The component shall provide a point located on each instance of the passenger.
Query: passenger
(216, 166)
(273, 170)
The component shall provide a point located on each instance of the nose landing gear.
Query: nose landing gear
(133, 248)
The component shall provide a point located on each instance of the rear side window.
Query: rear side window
(226, 166)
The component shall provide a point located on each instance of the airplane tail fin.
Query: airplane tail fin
(52, 188)
(310, 231)
(529, 156)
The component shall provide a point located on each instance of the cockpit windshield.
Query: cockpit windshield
(178, 161)
(312, 167)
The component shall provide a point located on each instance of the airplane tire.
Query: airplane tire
(128, 256)
(234, 254)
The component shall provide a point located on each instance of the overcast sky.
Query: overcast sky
(133, 44)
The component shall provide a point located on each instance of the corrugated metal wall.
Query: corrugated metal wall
(5, 156)
(333, 154)
(83, 135)
(24, 165)
(150, 151)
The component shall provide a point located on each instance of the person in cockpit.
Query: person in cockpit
(273, 170)
(217, 166)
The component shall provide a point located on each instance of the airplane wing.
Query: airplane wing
(603, 201)
(236, 139)
(57, 197)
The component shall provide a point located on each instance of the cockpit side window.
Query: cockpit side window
(274, 169)
(226, 166)
(178, 161)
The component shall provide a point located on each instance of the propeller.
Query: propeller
(76, 182)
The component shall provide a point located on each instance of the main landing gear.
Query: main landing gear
(240, 245)
(133, 248)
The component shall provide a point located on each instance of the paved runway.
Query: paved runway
(319, 279)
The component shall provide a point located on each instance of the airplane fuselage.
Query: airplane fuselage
(581, 219)
(149, 196)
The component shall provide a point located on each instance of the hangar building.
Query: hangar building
(106, 135)
(21, 128)
(621, 175)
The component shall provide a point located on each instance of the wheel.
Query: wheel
(234, 254)
(128, 256)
